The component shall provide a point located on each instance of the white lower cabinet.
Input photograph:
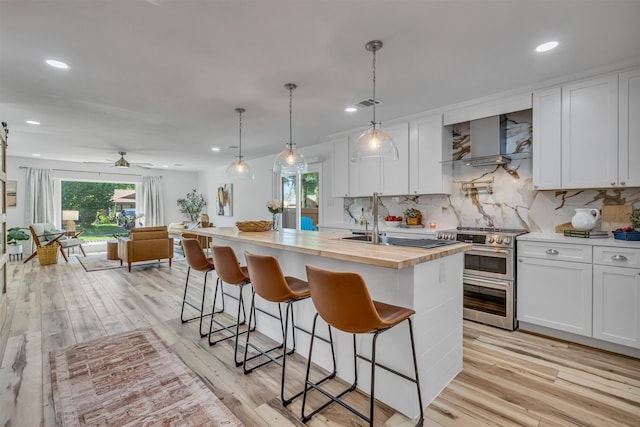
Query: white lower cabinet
(616, 295)
(555, 294)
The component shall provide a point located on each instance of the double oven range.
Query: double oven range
(489, 274)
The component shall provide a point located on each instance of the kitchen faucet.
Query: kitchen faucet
(375, 237)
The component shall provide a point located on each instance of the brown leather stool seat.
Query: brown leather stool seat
(269, 282)
(343, 301)
(197, 260)
(230, 272)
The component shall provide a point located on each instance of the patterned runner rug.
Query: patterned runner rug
(99, 262)
(131, 379)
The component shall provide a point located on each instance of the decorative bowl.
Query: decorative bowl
(392, 223)
(254, 225)
(626, 235)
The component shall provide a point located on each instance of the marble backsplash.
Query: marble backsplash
(497, 196)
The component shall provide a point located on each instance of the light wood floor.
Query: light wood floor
(509, 378)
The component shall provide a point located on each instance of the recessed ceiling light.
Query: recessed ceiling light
(351, 109)
(36, 155)
(57, 64)
(547, 46)
(165, 166)
(33, 122)
(215, 149)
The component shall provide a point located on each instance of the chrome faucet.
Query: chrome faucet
(375, 238)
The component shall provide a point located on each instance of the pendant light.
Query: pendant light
(238, 169)
(290, 161)
(374, 142)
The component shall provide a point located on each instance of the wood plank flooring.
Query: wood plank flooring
(509, 378)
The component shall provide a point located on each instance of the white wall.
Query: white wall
(250, 197)
(176, 184)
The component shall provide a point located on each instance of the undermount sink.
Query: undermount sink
(399, 241)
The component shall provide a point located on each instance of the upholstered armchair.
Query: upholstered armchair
(145, 244)
(46, 234)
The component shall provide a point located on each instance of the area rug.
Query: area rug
(131, 379)
(100, 262)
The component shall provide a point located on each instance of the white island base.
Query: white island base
(433, 289)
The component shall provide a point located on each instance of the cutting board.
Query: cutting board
(614, 216)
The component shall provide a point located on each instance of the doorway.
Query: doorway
(301, 199)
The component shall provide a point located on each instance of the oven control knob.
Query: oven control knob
(490, 239)
(507, 240)
(498, 240)
(452, 237)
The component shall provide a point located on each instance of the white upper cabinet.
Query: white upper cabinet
(340, 158)
(629, 122)
(590, 133)
(395, 173)
(429, 146)
(384, 176)
(587, 134)
(547, 131)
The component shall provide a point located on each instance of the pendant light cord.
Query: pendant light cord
(290, 118)
(374, 88)
(240, 111)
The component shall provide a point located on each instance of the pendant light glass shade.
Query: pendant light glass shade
(239, 169)
(374, 142)
(290, 161)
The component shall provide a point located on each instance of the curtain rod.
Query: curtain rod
(99, 173)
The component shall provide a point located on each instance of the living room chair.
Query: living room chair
(46, 234)
(145, 244)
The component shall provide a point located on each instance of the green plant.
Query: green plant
(15, 234)
(191, 206)
(412, 213)
(634, 217)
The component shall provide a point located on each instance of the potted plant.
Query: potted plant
(413, 216)
(634, 217)
(14, 236)
(191, 206)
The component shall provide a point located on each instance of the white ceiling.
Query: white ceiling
(160, 79)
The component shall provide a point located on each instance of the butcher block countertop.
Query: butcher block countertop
(330, 245)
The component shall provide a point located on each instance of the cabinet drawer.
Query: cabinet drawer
(620, 257)
(556, 251)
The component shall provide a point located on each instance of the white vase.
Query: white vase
(585, 219)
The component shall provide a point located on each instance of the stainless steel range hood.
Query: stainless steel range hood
(488, 142)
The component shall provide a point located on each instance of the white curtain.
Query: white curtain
(152, 201)
(39, 197)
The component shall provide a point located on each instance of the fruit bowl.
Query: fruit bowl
(626, 235)
(392, 223)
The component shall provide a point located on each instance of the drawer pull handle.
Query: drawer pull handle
(552, 252)
(619, 258)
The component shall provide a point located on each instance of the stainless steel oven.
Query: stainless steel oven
(489, 274)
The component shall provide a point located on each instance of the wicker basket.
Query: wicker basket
(254, 225)
(48, 254)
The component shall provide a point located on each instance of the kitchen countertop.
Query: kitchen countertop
(330, 245)
(561, 238)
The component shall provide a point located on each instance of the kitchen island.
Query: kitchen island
(427, 280)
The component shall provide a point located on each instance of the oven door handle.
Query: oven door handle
(489, 251)
(489, 283)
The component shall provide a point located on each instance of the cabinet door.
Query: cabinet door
(547, 132)
(395, 173)
(340, 159)
(365, 175)
(430, 145)
(590, 133)
(616, 304)
(555, 294)
(629, 132)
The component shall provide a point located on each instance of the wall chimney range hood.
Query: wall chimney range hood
(488, 142)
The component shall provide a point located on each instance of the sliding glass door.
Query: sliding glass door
(301, 199)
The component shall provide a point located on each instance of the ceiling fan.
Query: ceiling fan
(122, 163)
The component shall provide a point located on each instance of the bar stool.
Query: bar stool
(230, 272)
(343, 301)
(272, 285)
(197, 260)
